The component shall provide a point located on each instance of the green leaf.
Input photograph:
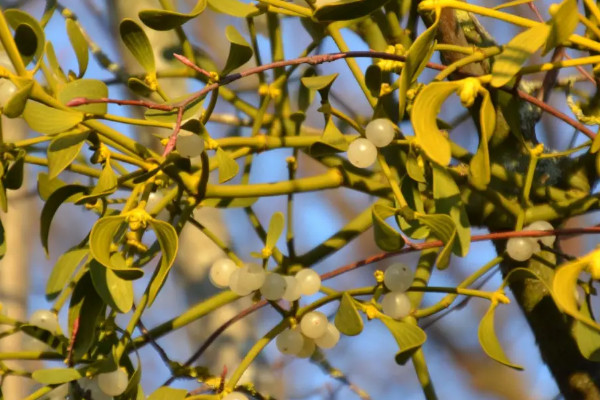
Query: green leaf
(55, 376)
(234, 8)
(347, 9)
(164, 20)
(479, 167)
(168, 242)
(239, 50)
(139, 87)
(112, 289)
(63, 270)
(191, 111)
(347, 319)
(104, 231)
(516, 52)
(16, 104)
(48, 120)
(228, 167)
(29, 35)
(47, 186)
(587, 338)
(232, 202)
(443, 228)
(373, 80)
(13, 179)
(167, 393)
(89, 88)
(427, 106)
(488, 340)
(137, 42)
(409, 337)
(386, 237)
(276, 226)
(53, 62)
(58, 197)
(332, 141)
(107, 184)
(562, 25)
(306, 95)
(414, 168)
(86, 308)
(418, 55)
(413, 228)
(62, 150)
(79, 45)
(322, 83)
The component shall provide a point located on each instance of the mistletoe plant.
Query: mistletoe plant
(427, 190)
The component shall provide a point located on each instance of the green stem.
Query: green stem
(10, 47)
(420, 365)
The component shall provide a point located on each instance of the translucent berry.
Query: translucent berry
(520, 249)
(398, 277)
(238, 284)
(330, 338)
(314, 324)
(273, 287)
(308, 348)
(113, 383)
(220, 272)
(189, 144)
(396, 305)
(542, 226)
(91, 386)
(380, 132)
(290, 341)
(235, 396)
(44, 319)
(362, 153)
(309, 281)
(292, 289)
(254, 274)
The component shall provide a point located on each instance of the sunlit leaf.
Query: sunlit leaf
(167, 393)
(234, 8)
(409, 337)
(54, 376)
(139, 45)
(479, 171)
(113, 289)
(53, 62)
(347, 319)
(386, 237)
(488, 340)
(275, 230)
(107, 184)
(443, 228)
(15, 106)
(413, 228)
(562, 25)
(63, 150)
(168, 242)
(79, 45)
(29, 35)
(346, 9)
(332, 141)
(239, 50)
(322, 83)
(88, 88)
(63, 270)
(164, 20)
(48, 120)
(228, 167)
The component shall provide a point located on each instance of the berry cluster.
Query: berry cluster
(362, 152)
(397, 278)
(273, 286)
(521, 249)
(314, 331)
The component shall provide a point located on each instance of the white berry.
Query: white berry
(520, 249)
(314, 324)
(398, 277)
(220, 272)
(247, 279)
(189, 144)
(396, 305)
(238, 284)
(91, 385)
(309, 281)
(235, 396)
(273, 287)
(290, 341)
(380, 132)
(330, 338)
(292, 289)
(113, 383)
(362, 153)
(308, 348)
(44, 319)
(542, 226)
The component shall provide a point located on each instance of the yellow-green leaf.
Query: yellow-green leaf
(112, 288)
(29, 35)
(239, 50)
(344, 10)
(488, 340)
(164, 20)
(138, 44)
(55, 376)
(427, 106)
(87, 306)
(275, 230)
(479, 167)
(228, 167)
(107, 184)
(89, 88)
(409, 337)
(63, 270)
(58, 197)
(53, 62)
(332, 141)
(168, 242)
(386, 237)
(443, 228)
(16, 104)
(587, 338)
(234, 8)
(48, 120)
(62, 150)
(347, 319)
(79, 45)
(516, 52)
(562, 25)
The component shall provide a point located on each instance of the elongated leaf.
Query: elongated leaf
(164, 20)
(562, 25)
(516, 52)
(347, 319)
(167, 393)
(234, 8)
(228, 167)
(107, 184)
(47, 186)
(276, 226)
(386, 237)
(346, 10)
(587, 338)
(88, 88)
(63, 270)
(332, 141)
(168, 242)
(48, 120)
(112, 289)
(16, 104)
(79, 45)
(32, 43)
(53, 62)
(413, 228)
(62, 150)
(443, 227)
(54, 376)
(373, 80)
(408, 336)
(138, 44)
(85, 307)
(488, 340)
(51, 206)
(479, 171)
(239, 50)
(427, 106)
(13, 179)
